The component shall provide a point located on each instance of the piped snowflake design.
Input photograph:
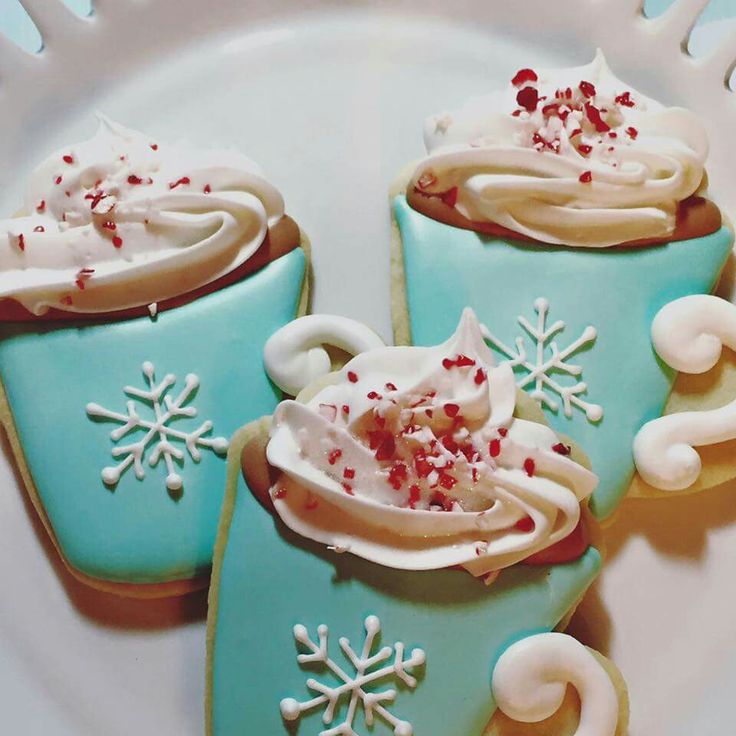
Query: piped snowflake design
(353, 687)
(158, 429)
(547, 360)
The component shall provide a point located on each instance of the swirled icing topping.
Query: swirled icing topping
(122, 220)
(414, 460)
(570, 157)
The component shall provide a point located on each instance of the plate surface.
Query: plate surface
(330, 102)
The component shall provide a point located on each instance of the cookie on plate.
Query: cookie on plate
(388, 537)
(137, 289)
(567, 210)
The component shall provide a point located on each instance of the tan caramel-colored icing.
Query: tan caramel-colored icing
(696, 217)
(281, 239)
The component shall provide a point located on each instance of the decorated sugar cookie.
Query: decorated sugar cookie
(390, 540)
(137, 289)
(567, 210)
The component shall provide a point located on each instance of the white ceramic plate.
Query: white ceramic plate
(330, 101)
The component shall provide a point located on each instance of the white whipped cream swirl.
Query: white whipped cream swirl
(570, 157)
(414, 460)
(124, 220)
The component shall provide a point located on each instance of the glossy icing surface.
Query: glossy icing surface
(617, 291)
(138, 531)
(294, 581)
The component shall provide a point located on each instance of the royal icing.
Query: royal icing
(162, 430)
(688, 334)
(532, 675)
(371, 668)
(414, 460)
(543, 366)
(572, 157)
(295, 355)
(123, 220)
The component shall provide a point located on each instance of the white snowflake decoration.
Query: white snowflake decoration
(547, 360)
(352, 687)
(158, 429)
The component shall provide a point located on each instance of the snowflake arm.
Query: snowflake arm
(546, 361)
(158, 430)
(365, 674)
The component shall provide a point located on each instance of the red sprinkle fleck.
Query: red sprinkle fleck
(632, 132)
(397, 475)
(154, 146)
(586, 177)
(68, 159)
(183, 180)
(117, 241)
(576, 132)
(415, 494)
(41, 206)
(525, 525)
(66, 300)
(348, 489)
(451, 409)
(562, 449)
(523, 76)
(587, 88)
(373, 396)
(480, 376)
(39, 229)
(447, 481)
(345, 409)
(528, 98)
(625, 99)
(334, 456)
(57, 180)
(109, 225)
(494, 447)
(133, 179)
(311, 504)
(585, 149)
(207, 189)
(594, 115)
(503, 431)
(281, 493)
(21, 242)
(447, 364)
(529, 467)
(463, 361)
(68, 193)
(348, 473)
(387, 448)
(352, 377)
(390, 387)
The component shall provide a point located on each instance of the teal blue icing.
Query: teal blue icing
(138, 532)
(272, 579)
(618, 291)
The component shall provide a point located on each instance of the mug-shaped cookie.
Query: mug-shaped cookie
(566, 210)
(138, 290)
(385, 537)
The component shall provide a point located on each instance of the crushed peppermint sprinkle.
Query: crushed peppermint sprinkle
(352, 377)
(109, 225)
(41, 206)
(82, 276)
(154, 146)
(529, 467)
(334, 456)
(179, 182)
(525, 524)
(117, 241)
(348, 473)
(207, 189)
(280, 493)
(21, 242)
(133, 179)
(562, 449)
(39, 229)
(68, 159)
(524, 76)
(586, 177)
(66, 300)
(57, 181)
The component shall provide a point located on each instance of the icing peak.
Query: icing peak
(414, 459)
(122, 220)
(570, 157)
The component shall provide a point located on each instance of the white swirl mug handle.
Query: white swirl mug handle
(688, 334)
(532, 675)
(295, 355)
